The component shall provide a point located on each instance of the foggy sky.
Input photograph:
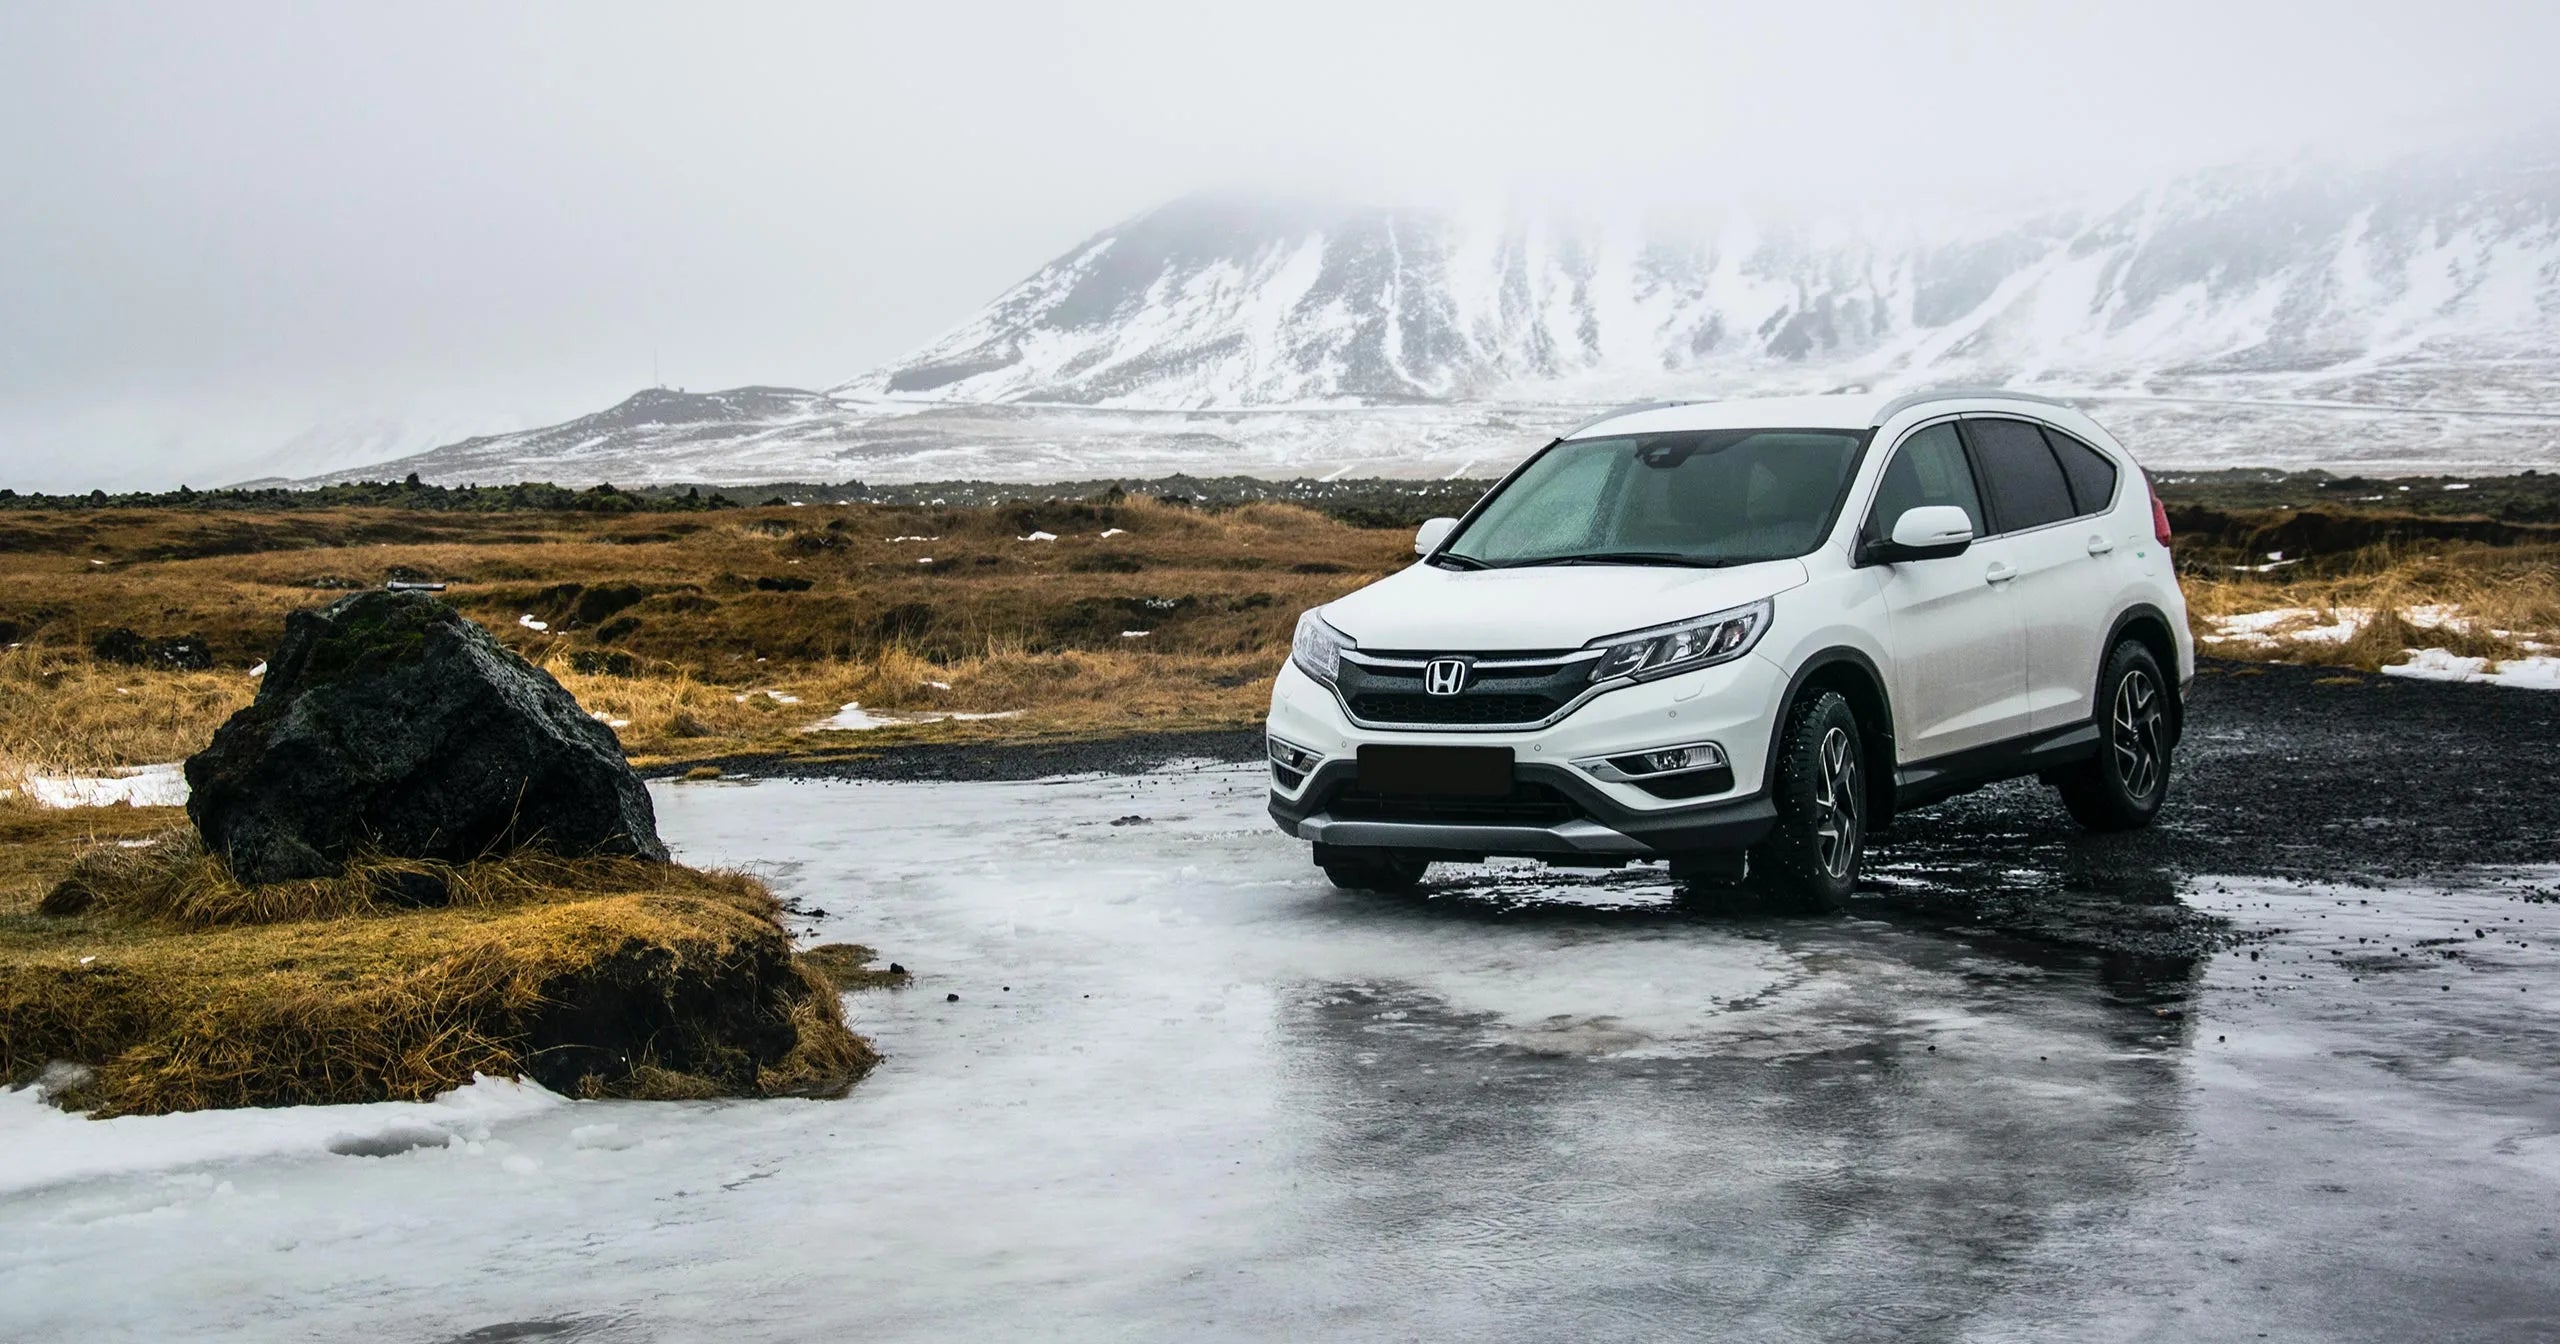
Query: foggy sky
(228, 225)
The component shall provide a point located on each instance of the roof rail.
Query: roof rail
(1629, 409)
(1910, 399)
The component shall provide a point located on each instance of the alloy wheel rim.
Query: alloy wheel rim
(1837, 804)
(2134, 734)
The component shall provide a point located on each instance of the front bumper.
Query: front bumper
(1560, 812)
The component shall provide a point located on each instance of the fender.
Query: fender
(1880, 787)
(2115, 635)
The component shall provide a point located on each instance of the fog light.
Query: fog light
(1680, 760)
(1292, 757)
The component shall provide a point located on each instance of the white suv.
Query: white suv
(1699, 632)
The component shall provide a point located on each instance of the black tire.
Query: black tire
(2123, 786)
(1371, 869)
(1809, 861)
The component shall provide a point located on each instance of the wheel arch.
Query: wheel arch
(2148, 626)
(1855, 676)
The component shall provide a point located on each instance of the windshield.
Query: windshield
(1705, 497)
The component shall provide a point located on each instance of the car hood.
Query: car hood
(1424, 609)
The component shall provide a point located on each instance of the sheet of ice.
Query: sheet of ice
(140, 786)
(1186, 1090)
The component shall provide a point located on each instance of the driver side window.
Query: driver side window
(1928, 468)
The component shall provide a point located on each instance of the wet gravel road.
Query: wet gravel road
(2285, 1067)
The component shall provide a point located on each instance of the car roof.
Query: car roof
(1853, 410)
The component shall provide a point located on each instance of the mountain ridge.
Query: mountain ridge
(2236, 315)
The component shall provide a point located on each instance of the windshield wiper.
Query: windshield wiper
(1457, 561)
(1629, 558)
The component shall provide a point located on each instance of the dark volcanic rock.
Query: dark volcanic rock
(388, 721)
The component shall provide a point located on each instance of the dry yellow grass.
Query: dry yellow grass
(679, 625)
(65, 713)
(2499, 597)
(184, 990)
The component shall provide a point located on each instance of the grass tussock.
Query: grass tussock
(181, 990)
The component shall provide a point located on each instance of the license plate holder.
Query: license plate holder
(1446, 772)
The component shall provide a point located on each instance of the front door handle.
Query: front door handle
(2100, 545)
(1998, 573)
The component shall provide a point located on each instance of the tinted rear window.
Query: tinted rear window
(2027, 486)
(2092, 475)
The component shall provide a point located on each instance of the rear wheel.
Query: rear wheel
(1371, 869)
(1810, 859)
(2123, 786)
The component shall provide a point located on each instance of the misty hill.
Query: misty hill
(2406, 316)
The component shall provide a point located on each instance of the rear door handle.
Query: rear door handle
(1998, 573)
(2100, 545)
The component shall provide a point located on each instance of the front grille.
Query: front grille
(1466, 707)
(1527, 805)
(1532, 688)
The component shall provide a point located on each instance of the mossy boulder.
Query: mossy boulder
(388, 722)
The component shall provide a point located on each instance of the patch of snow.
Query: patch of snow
(1039, 536)
(2539, 672)
(139, 785)
(2457, 485)
(914, 538)
(49, 1147)
(608, 720)
(939, 685)
(260, 670)
(853, 718)
(1135, 634)
(924, 559)
(529, 623)
(1115, 531)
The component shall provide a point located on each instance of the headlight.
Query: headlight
(1317, 648)
(1666, 649)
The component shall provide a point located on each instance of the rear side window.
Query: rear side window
(1929, 468)
(2027, 486)
(2092, 475)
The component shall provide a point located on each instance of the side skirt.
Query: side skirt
(1923, 782)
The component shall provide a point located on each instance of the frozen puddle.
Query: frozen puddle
(1188, 1091)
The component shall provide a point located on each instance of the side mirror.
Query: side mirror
(1930, 532)
(1432, 534)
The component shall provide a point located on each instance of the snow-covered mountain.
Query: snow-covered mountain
(1217, 301)
(2405, 315)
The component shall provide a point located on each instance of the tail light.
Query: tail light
(2159, 511)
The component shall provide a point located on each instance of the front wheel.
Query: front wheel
(1810, 858)
(2123, 786)
(1370, 869)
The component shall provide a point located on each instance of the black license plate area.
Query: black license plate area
(1439, 772)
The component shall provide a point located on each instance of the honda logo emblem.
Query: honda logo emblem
(1444, 676)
